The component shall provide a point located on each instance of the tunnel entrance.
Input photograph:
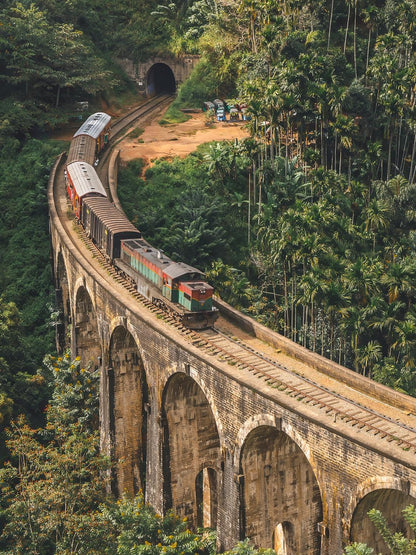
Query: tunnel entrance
(160, 80)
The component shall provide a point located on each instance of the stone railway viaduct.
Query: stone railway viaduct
(214, 442)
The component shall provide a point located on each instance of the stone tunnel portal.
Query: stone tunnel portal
(160, 80)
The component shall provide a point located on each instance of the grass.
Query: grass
(174, 115)
(136, 133)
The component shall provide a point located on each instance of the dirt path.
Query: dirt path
(167, 141)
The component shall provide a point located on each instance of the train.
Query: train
(176, 287)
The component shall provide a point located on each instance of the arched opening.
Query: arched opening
(283, 539)
(278, 486)
(128, 423)
(160, 80)
(63, 305)
(391, 503)
(191, 442)
(206, 498)
(87, 339)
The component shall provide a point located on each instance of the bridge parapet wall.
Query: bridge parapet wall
(342, 464)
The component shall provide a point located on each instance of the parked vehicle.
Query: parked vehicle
(207, 106)
(234, 114)
(221, 115)
(219, 104)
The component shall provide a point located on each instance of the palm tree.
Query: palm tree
(376, 218)
(405, 346)
(368, 356)
(370, 16)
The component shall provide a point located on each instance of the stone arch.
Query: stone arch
(194, 374)
(128, 400)
(160, 79)
(283, 538)
(206, 491)
(280, 496)
(63, 304)
(191, 444)
(388, 494)
(86, 337)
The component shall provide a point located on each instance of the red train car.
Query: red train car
(81, 181)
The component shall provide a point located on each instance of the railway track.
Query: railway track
(122, 127)
(242, 357)
(349, 407)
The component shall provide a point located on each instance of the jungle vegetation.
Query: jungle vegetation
(309, 225)
(322, 196)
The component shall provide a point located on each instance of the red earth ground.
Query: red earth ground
(167, 141)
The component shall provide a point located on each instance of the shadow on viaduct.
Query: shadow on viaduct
(215, 445)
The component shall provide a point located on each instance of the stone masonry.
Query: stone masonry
(214, 443)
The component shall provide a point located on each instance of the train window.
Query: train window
(187, 296)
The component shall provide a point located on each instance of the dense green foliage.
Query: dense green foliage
(25, 275)
(194, 219)
(335, 236)
(328, 196)
(52, 484)
(25, 272)
(397, 542)
(52, 491)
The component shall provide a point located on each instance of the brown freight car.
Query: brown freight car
(106, 225)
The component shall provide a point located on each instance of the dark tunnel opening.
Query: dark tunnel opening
(160, 80)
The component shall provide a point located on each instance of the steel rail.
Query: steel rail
(364, 418)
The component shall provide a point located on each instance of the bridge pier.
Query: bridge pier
(155, 441)
(218, 443)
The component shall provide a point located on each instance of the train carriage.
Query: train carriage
(106, 225)
(82, 181)
(82, 149)
(173, 286)
(96, 126)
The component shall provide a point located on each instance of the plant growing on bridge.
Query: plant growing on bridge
(397, 542)
(358, 549)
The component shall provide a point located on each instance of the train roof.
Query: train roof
(110, 216)
(174, 270)
(179, 269)
(82, 149)
(94, 125)
(85, 179)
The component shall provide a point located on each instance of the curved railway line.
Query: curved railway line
(123, 126)
(334, 400)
